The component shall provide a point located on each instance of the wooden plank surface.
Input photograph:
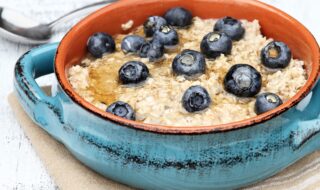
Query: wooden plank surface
(20, 168)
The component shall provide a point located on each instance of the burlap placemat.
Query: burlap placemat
(70, 174)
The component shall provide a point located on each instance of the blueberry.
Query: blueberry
(121, 109)
(276, 55)
(133, 72)
(189, 63)
(232, 27)
(152, 24)
(178, 17)
(196, 98)
(266, 102)
(152, 50)
(214, 44)
(132, 43)
(100, 43)
(243, 80)
(167, 36)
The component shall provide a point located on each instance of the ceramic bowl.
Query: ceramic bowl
(149, 156)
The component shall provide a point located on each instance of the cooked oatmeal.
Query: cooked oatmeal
(158, 99)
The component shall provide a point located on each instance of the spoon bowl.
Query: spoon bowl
(15, 26)
(20, 28)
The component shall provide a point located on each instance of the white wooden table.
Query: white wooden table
(20, 168)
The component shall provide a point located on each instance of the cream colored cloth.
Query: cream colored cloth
(70, 174)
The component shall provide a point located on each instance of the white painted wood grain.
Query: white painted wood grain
(20, 168)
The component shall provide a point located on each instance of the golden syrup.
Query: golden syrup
(103, 79)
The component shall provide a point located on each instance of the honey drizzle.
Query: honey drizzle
(103, 79)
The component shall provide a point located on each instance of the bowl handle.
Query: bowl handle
(308, 130)
(44, 110)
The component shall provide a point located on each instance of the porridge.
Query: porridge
(160, 97)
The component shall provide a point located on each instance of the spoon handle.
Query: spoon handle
(82, 11)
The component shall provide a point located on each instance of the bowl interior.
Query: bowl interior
(274, 23)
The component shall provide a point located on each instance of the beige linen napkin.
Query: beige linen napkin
(70, 174)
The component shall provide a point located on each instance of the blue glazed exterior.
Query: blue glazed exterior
(147, 160)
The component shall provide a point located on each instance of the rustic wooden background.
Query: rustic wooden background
(20, 168)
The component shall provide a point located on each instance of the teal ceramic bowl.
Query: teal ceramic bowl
(166, 157)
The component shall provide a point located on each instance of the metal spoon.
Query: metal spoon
(16, 27)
